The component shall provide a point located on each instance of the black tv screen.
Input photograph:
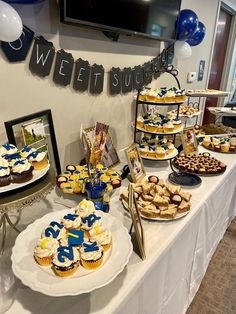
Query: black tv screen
(151, 18)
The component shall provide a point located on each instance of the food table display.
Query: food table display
(178, 253)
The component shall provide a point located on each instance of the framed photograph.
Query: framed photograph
(37, 131)
(109, 156)
(135, 163)
(189, 140)
(136, 222)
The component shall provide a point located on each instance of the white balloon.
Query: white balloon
(10, 23)
(182, 50)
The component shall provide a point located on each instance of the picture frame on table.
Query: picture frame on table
(189, 140)
(136, 222)
(110, 157)
(35, 130)
(135, 163)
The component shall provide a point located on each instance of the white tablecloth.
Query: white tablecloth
(178, 253)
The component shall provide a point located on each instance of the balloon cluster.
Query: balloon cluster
(189, 32)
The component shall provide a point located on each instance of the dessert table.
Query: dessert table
(178, 253)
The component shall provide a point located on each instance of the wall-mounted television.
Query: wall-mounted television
(150, 18)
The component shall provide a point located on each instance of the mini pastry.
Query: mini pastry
(153, 179)
(44, 251)
(85, 208)
(71, 221)
(91, 255)
(116, 183)
(207, 140)
(66, 261)
(176, 199)
(22, 171)
(169, 212)
(68, 189)
(224, 147)
(61, 179)
(183, 206)
(71, 168)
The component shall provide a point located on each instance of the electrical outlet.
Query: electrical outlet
(191, 77)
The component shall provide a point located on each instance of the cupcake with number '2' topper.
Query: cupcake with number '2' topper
(55, 230)
(66, 261)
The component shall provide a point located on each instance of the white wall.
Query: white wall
(22, 93)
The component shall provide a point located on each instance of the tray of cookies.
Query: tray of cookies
(159, 201)
(200, 164)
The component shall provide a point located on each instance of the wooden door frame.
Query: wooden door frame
(227, 75)
(228, 71)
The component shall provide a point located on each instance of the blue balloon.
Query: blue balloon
(186, 25)
(198, 36)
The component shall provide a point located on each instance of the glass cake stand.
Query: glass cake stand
(15, 201)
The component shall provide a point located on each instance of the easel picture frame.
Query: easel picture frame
(135, 163)
(112, 159)
(189, 140)
(136, 222)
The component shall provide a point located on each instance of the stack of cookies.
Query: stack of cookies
(157, 199)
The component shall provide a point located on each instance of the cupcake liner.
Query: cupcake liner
(90, 265)
(43, 261)
(39, 165)
(106, 247)
(65, 273)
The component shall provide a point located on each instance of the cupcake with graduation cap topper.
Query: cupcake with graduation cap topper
(66, 261)
(73, 238)
(55, 230)
(45, 250)
(8, 149)
(91, 255)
